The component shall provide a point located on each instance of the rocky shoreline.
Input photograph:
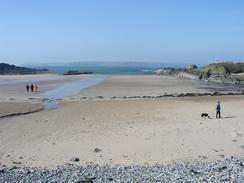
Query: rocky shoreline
(226, 170)
(166, 95)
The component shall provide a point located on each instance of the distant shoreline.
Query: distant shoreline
(7, 69)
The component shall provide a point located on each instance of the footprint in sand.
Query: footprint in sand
(221, 155)
(236, 134)
(147, 138)
(239, 134)
(203, 157)
(17, 162)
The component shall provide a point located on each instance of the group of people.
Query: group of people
(32, 87)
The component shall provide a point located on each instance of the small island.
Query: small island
(75, 72)
(7, 69)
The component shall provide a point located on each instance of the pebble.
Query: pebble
(97, 150)
(75, 159)
(226, 170)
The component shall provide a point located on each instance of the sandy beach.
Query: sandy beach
(142, 85)
(125, 132)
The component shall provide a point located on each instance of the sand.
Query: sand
(129, 131)
(140, 85)
(13, 88)
(18, 108)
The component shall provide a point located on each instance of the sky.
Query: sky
(170, 31)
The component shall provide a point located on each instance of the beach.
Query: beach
(101, 125)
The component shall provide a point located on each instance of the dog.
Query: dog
(205, 115)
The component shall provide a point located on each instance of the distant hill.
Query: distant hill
(12, 69)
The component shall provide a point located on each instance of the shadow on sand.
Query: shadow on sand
(228, 117)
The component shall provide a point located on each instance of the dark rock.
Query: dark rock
(241, 163)
(73, 72)
(97, 150)
(75, 159)
(110, 179)
(2, 170)
(195, 171)
(222, 168)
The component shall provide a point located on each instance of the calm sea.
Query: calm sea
(106, 67)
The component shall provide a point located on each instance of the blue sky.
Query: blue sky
(172, 31)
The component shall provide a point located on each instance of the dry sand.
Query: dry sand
(131, 131)
(18, 108)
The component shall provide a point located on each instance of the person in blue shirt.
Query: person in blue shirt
(218, 108)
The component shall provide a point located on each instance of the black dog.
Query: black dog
(205, 115)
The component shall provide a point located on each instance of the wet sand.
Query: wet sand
(51, 87)
(12, 87)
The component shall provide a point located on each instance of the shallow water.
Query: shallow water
(51, 97)
(26, 81)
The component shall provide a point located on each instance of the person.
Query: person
(27, 88)
(36, 87)
(218, 108)
(32, 87)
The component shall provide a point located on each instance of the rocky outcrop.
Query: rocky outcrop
(191, 67)
(73, 72)
(215, 69)
(224, 72)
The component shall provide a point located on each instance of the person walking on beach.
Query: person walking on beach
(36, 87)
(27, 88)
(218, 108)
(32, 87)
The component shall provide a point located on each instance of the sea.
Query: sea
(133, 68)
